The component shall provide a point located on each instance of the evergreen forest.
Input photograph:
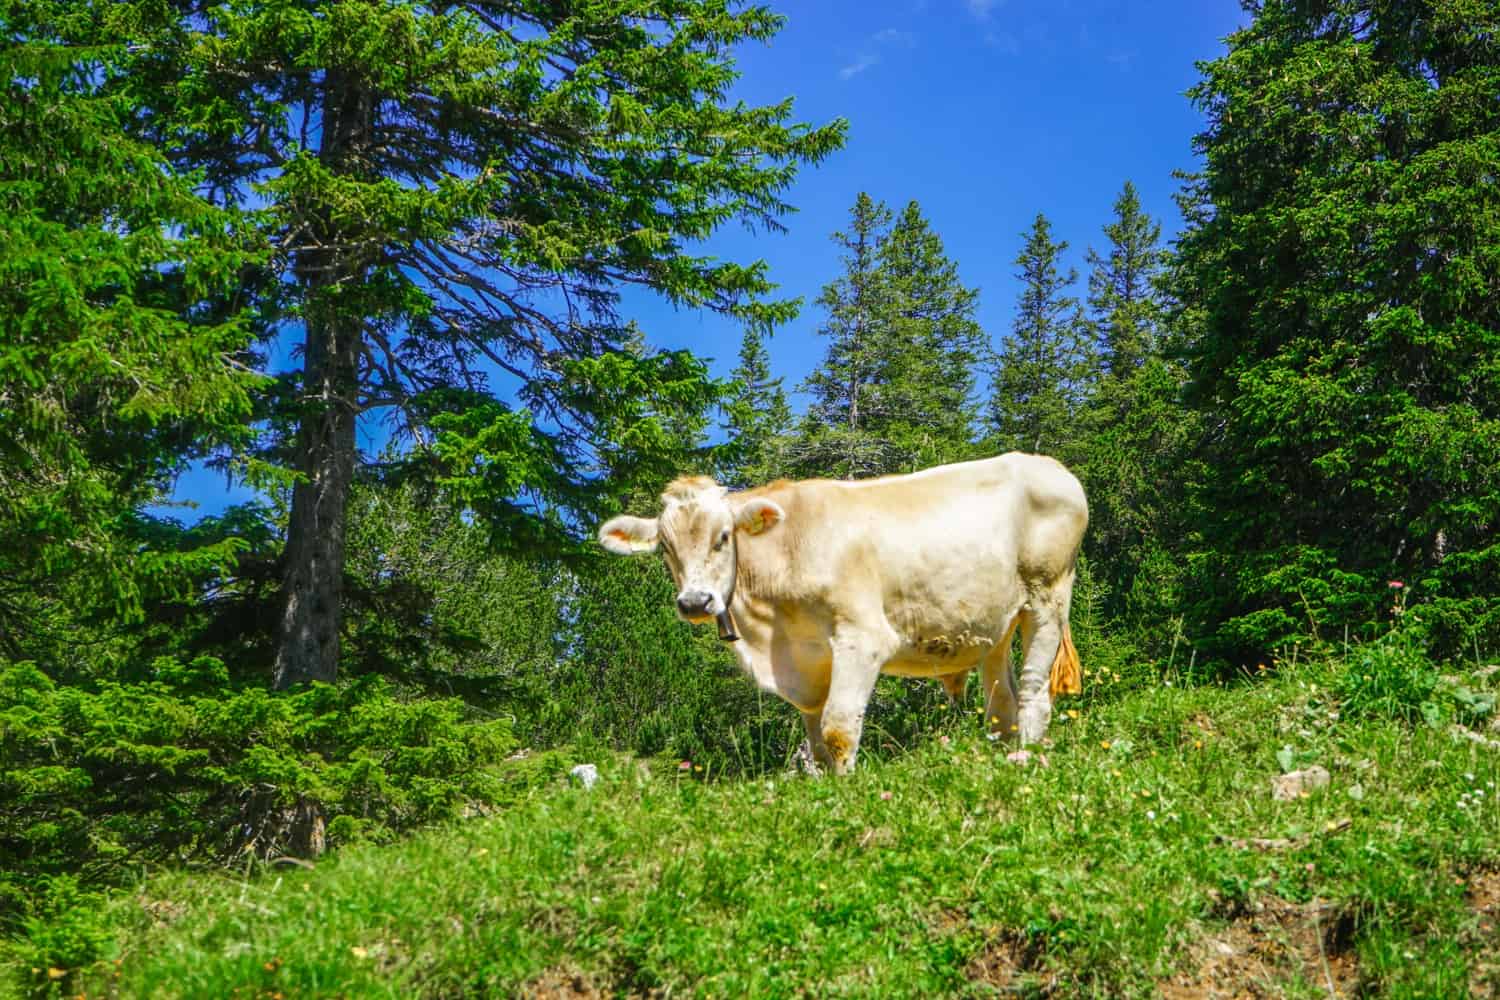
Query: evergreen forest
(372, 263)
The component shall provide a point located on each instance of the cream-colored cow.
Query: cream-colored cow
(922, 575)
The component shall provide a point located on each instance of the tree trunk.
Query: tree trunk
(313, 584)
(314, 580)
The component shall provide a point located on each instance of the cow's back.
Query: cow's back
(1032, 501)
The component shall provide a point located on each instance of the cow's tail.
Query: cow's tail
(1067, 671)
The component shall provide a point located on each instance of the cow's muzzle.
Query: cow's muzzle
(698, 604)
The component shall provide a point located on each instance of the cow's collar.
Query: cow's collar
(724, 619)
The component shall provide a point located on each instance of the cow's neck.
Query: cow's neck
(752, 608)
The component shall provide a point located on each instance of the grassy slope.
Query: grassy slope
(946, 871)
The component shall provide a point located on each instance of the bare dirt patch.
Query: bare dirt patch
(564, 984)
(567, 982)
(998, 964)
(1484, 897)
(1261, 951)
(1483, 894)
(1009, 962)
(163, 911)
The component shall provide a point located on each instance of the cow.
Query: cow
(826, 584)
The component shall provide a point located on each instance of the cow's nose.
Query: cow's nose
(694, 602)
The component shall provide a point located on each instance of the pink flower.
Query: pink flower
(885, 796)
(1395, 584)
(686, 765)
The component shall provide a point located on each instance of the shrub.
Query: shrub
(1389, 678)
(98, 779)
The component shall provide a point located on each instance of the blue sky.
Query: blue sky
(984, 111)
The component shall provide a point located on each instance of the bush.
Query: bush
(636, 678)
(98, 779)
(1390, 678)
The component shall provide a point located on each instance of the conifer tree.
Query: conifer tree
(932, 344)
(1340, 264)
(455, 195)
(123, 349)
(1044, 368)
(1124, 300)
(758, 417)
(835, 440)
(1135, 434)
(894, 392)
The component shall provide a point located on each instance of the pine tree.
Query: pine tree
(835, 437)
(123, 351)
(1124, 302)
(932, 343)
(456, 195)
(1045, 366)
(1340, 264)
(757, 416)
(1136, 436)
(894, 392)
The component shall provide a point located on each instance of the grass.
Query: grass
(1147, 859)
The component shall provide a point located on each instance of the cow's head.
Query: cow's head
(696, 532)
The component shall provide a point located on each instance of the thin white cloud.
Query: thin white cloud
(858, 66)
(884, 38)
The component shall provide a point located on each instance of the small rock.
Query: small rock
(587, 774)
(1295, 784)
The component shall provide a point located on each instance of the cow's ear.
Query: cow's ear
(628, 536)
(758, 515)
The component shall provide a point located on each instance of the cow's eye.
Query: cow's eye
(721, 541)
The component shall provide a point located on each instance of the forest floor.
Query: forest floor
(1146, 855)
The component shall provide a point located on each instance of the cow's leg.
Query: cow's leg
(1041, 635)
(1000, 687)
(857, 659)
(813, 723)
(953, 687)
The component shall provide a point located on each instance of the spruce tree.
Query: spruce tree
(932, 343)
(455, 195)
(123, 350)
(1135, 436)
(835, 438)
(1044, 368)
(1341, 266)
(1124, 300)
(894, 392)
(758, 418)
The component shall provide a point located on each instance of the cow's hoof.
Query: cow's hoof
(1023, 758)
